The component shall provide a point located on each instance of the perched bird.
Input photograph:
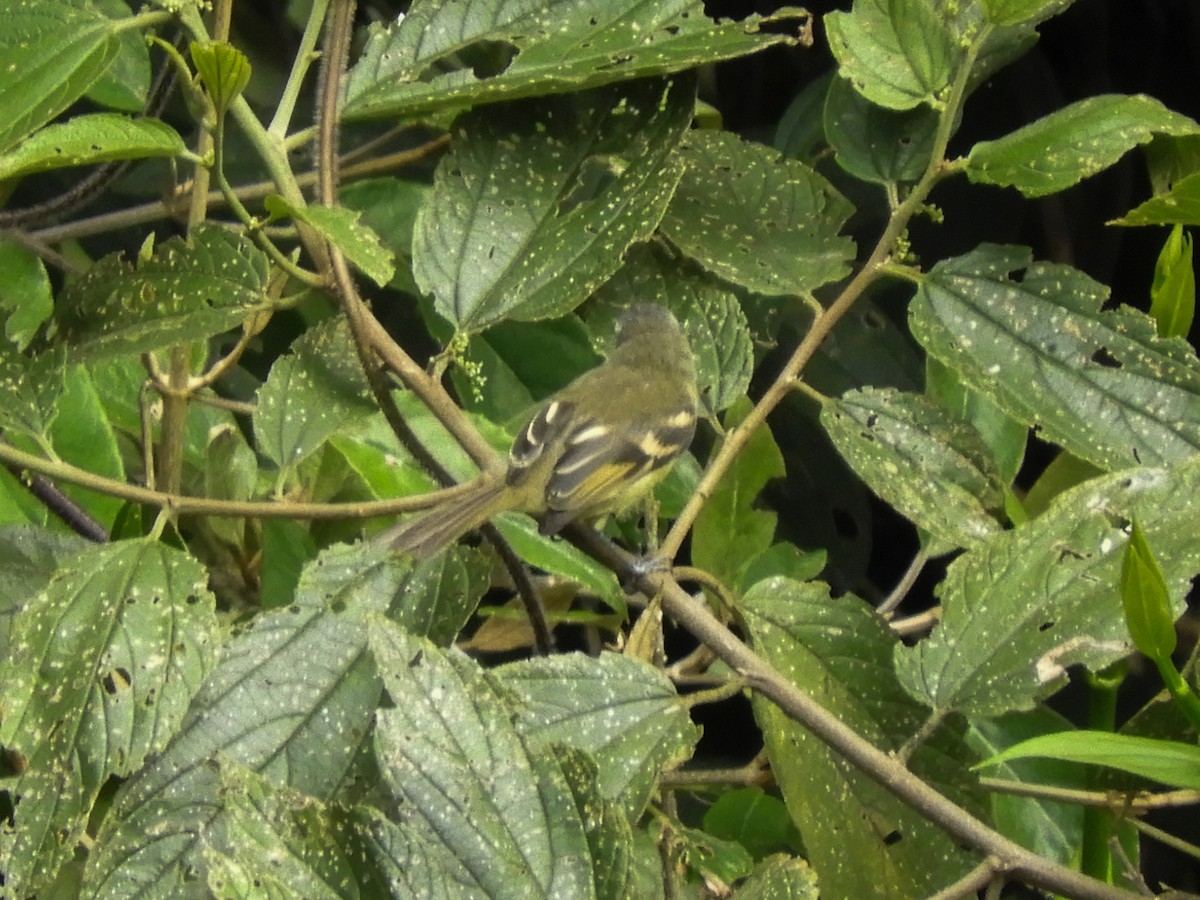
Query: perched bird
(596, 447)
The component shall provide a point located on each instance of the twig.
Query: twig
(182, 504)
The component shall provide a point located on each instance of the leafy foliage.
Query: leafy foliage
(235, 688)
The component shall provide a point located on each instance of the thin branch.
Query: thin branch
(183, 504)
(1012, 859)
(900, 591)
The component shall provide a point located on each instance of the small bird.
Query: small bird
(596, 447)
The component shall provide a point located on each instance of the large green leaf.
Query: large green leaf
(875, 143)
(1098, 382)
(188, 290)
(100, 670)
(292, 699)
(465, 779)
(1021, 607)
(753, 217)
(311, 393)
(90, 139)
(840, 652)
(277, 843)
(623, 713)
(51, 52)
(897, 53)
(442, 55)
(934, 469)
(1072, 143)
(538, 201)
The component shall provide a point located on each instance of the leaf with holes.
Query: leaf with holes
(463, 777)
(29, 390)
(1022, 606)
(274, 838)
(188, 290)
(756, 219)
(100, 671)
(934, 469)
(88, 140)
(1100, 383)
(625, 714)
(1073, 143)
(874, 143)
(840, 652)
(441, 55)
(292, 699)
(538, 201)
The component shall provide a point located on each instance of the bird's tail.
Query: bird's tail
(433, 530)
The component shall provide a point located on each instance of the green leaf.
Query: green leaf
(439, 56)
(801, 132)
(24, 292)
(559, 557)
(342, 228)
(781, 877)
(933, 469)
(126, 83)
(441, 594)
(753, 818)
(275, 837)
(230, 473)
(897, 53)
(840, 652)
(1105, 387)
(1180, 205)
(89, 139)
(292, 698)
(1004, 436)
(389, 208)
(1072, 143)
(622, 712)
(730, 531)
(51, 53)
(452, 738)
(537, 202)
(1173, 293)
(874, 143)
(1021, 607)
(29, 390)
(711, 316)
(286, 547)
(310, 394)
(609, 833)
(1148, 607)
(82, 434)
(1014, 12)
(188, 291)
(1050, 829)
(756, 219)
(223, 69)
(28, 559)
(1169, 762)
(101, 668)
